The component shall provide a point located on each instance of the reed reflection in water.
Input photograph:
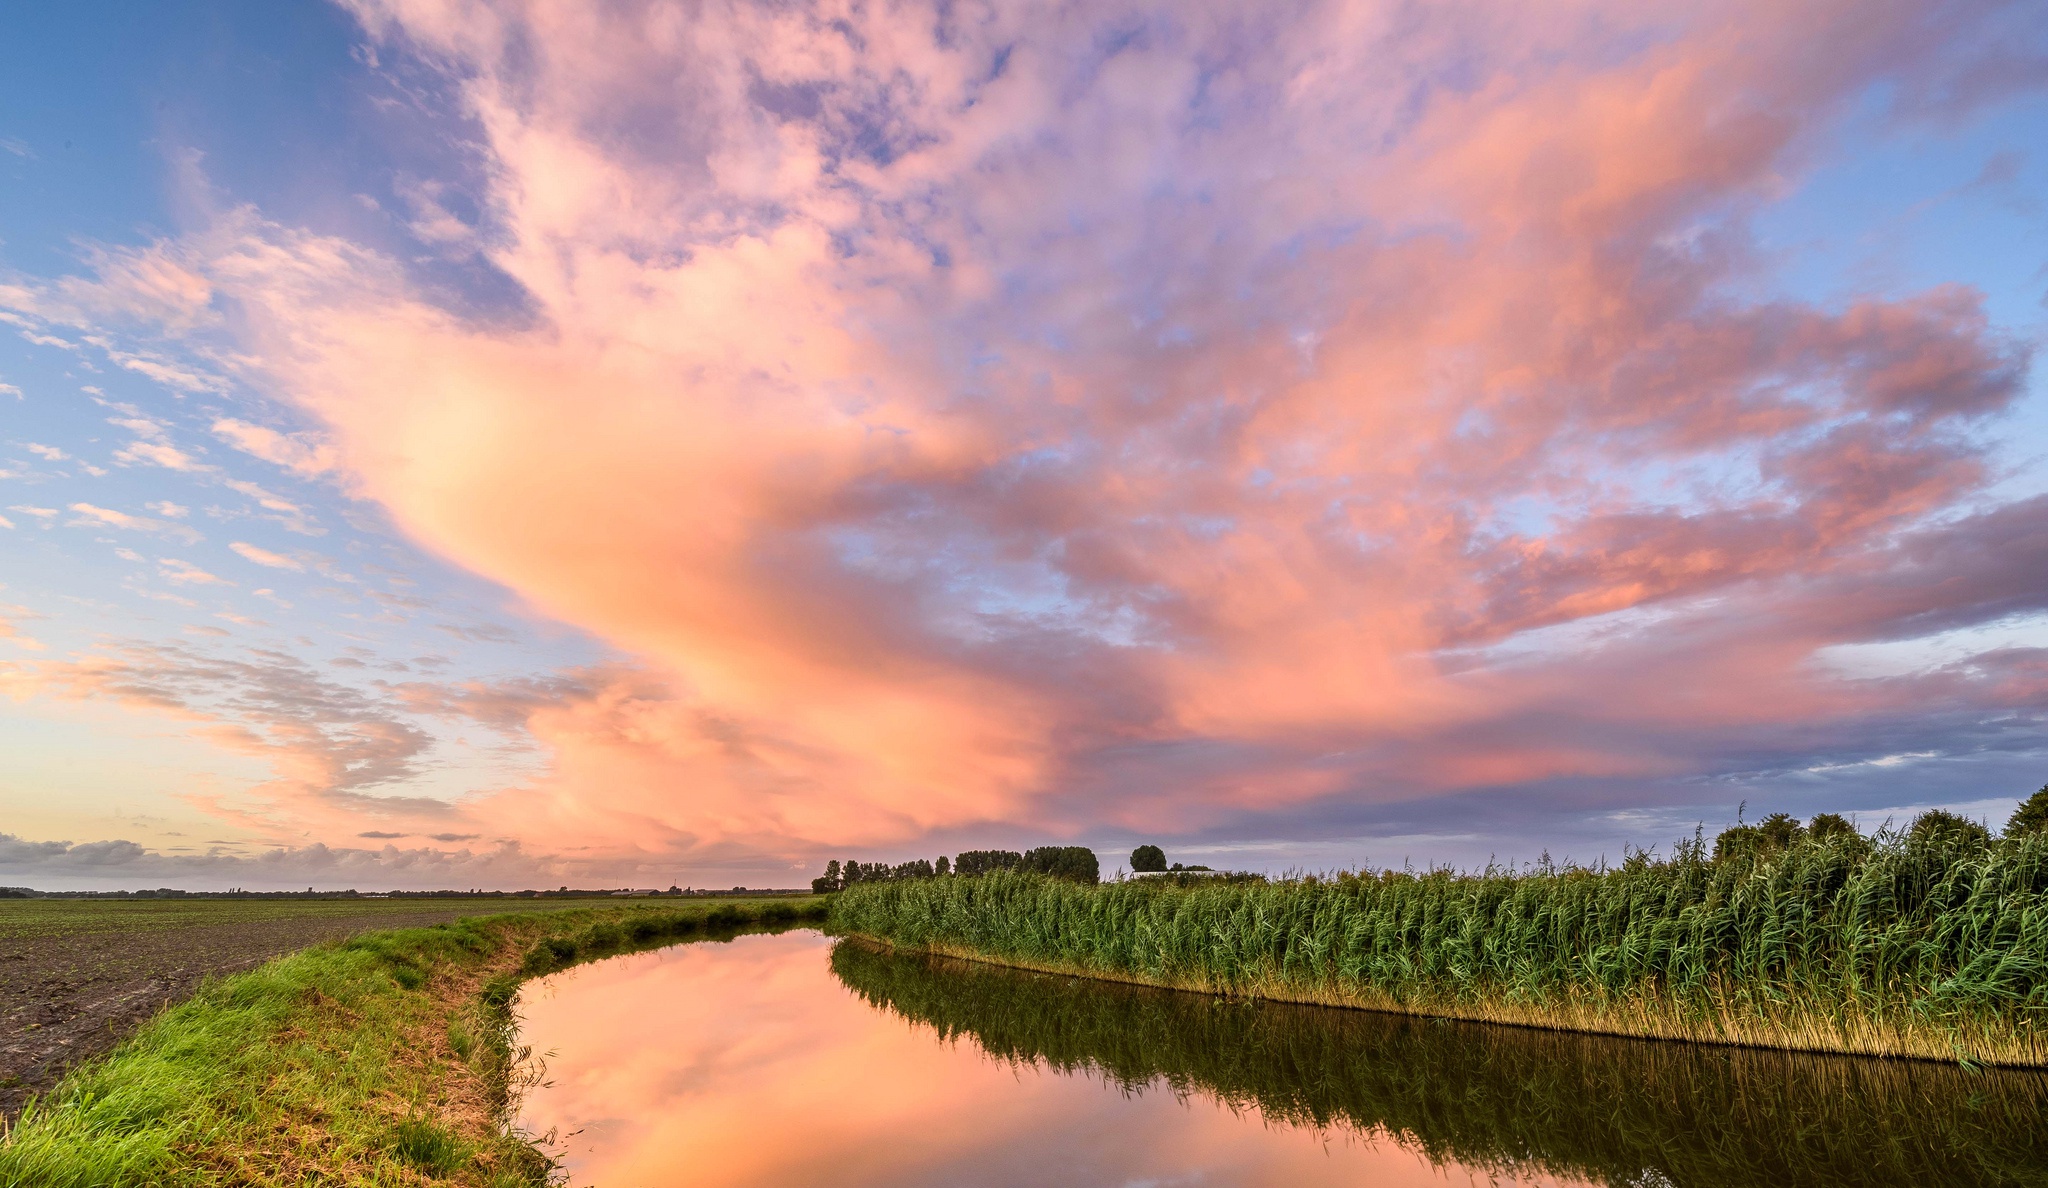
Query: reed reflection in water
(1511, 1101)
(749, 1064)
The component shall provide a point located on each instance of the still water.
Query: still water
(779, 1060)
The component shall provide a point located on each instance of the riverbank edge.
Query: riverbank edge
(1639, 1017)
(388, 1058)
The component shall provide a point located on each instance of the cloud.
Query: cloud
(1122, 416)
(122, 864)
(185, 573)
(91, 516)
(334, 751)
(284, 511)
(294, 451)
(265, 557)
(165, 507)
(11, 618)
(167, 456)
(47, 453)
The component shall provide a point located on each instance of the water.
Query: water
(791, 1060)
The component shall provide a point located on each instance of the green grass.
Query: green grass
(1503, 1100)
(1932, 946)
(386, 1059)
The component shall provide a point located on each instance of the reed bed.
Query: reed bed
(1930, 945)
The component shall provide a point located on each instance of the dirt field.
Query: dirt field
(78, 975)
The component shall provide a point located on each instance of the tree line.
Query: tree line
(1076, 863)
(1781, 831)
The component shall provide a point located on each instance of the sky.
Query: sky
(460, 444)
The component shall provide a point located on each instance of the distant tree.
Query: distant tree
(852, 873)
(1739, 841)
(1077, 863)
(2032, 816)
(944, 867)
(1148, 859)
(1827, 825)
(1942, 826)
(1780, 830)
(828, 882)
(980, 862)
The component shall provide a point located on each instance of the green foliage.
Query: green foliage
(1780, 830)
(1941, 827)
(836, 876)
(981, 862)
(1739, 842)
(1829, 825)
(1509, 1101)
(460, 1040)
(427, 1147)
(1934, 941)
(1074, 863)
(2032, 815)
(1148, 860)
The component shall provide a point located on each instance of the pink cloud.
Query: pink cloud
(264, 557)
(333, 750)
(942, 408)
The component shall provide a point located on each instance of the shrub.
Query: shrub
(1829, 825)
(2032, 816)
(1939, 826)
(1148, 860)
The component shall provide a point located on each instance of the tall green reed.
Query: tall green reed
(1928, 945)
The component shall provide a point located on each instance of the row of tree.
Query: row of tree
(1782, 830)
(1066, 862)
(1775, 832)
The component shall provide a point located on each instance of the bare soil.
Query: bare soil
(66, 996)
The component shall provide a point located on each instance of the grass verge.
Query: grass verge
(387, 1059)
(1929, 946)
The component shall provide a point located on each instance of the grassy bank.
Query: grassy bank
(382, 1060)
(1504, 1100)
(1933, 945)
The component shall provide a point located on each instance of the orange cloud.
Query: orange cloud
(958, 421)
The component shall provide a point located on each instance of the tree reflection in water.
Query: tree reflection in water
(1507, 1100)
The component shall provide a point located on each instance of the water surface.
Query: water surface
(791, 1060)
